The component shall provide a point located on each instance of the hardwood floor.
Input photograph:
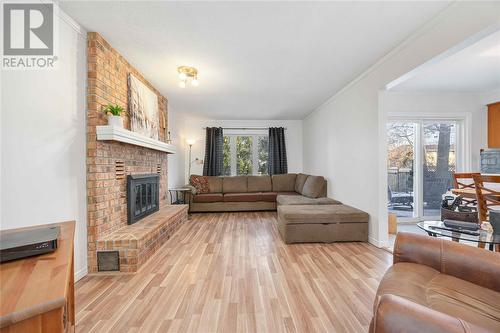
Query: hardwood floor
(231, 272)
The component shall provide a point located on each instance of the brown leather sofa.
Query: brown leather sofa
(437, 285)
(251, 193)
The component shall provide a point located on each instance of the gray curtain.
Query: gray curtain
(213, 164)
(277, 163)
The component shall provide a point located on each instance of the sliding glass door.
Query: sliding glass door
(439, 161)
(400, 169)
(421, 156)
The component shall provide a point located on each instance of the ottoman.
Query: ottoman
(322, 224)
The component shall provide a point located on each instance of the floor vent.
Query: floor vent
(108, 261)
(119, 169)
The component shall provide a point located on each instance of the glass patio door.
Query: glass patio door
(400, 168)
(439, 161)
(422, 154)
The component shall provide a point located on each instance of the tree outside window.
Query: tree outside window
(245, 154)
(263, 152)
(227, 156)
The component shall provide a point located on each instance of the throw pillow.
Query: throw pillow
(200, 183)
(313, 186)
(299, 182)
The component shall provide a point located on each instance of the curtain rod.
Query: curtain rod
(245, 128)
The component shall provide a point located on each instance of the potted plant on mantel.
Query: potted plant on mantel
(114, 115)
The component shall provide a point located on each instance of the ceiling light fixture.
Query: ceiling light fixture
(188, 75)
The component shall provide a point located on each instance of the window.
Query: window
(245, 155)
(263, 153)
(227, 156)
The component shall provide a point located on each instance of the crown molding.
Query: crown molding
(71, 22)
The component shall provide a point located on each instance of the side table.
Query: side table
(179, 194)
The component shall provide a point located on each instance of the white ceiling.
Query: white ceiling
(257, 60)
(473, 69)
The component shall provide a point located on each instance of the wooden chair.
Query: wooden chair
(488, 198)
(459, 183)
(457, 176)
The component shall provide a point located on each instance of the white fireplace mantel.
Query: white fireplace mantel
(120, 134)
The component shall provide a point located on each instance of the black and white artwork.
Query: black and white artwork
(143, 108)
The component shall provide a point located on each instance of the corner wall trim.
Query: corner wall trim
(71, 22)
(80, 274)
(376, 242)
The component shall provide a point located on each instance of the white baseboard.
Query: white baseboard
(80, 274)
(376, 242)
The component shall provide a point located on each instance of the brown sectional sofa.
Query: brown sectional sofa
(250, 193)
(305, 214)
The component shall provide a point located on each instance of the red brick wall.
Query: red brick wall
(106, 193)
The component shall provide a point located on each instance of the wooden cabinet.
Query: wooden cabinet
(494, 125)
(37, 293)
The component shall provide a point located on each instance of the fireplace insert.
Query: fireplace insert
(143, 196)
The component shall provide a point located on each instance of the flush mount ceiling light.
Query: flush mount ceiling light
(187, 75)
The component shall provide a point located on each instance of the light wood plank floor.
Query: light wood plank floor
(231, 272)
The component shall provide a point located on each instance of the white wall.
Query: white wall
(467, 106)
(43, 143)
(190, 127)
(176, 162)
(343, 138)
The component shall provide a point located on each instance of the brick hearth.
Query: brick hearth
(136, 243)
(108, 162)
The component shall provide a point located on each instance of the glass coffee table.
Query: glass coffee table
(437, 228)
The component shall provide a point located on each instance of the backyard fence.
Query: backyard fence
(400, 180)
(435, 185)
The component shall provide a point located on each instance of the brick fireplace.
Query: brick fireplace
(109, 162)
